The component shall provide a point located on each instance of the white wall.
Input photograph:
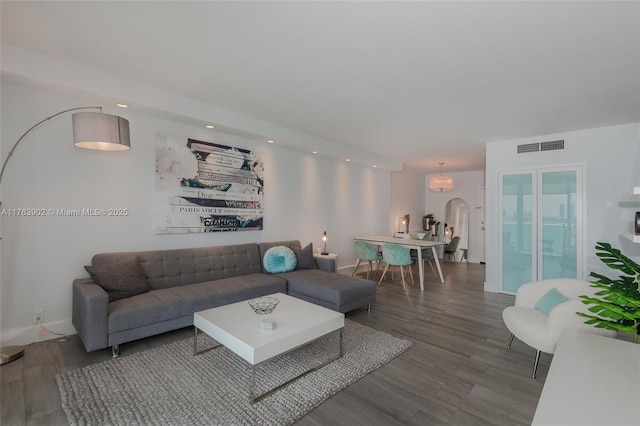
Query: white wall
(407, 197)
(466, 186)
(611, 157)
(305, 194)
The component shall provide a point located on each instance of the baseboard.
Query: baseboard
(345, 270)
(348, 269)
(32, 334)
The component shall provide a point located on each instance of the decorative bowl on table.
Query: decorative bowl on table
(421, 235)
(263, 305)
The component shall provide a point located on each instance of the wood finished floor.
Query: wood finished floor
(458, 371)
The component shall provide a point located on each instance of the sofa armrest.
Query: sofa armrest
(326, 264)
(90, 313)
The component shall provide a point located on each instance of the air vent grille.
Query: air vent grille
(528, 147)
(543, 146)
(552, 145)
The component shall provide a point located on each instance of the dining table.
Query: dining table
(411, 244)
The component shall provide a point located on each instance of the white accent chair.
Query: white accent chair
(540, 331)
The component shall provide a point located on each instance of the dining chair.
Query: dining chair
(427, 256)
(452, 248)
(396, 255)
(368, 253)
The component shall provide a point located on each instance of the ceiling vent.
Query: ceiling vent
(543, 146)
(552, 145)
(528, 147)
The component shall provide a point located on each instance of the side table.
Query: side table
(327, 256)
(331, 259)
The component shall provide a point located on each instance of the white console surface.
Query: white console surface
(593, 380)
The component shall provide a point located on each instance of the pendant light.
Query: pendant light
(441, 183)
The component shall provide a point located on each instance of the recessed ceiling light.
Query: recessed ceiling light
(374, 166)
(122, 105)
(209, 126)
(270, 141)
(348, 159)
(314, 152)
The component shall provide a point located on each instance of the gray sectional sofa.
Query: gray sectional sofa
(158, 291)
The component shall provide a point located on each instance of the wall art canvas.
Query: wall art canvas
(206, 187)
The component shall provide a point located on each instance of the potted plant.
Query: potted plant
(617, 306)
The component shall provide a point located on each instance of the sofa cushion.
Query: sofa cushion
(121, 279)
(305, 258)
(231, 290)
(279, 259)
(175, 302)
(335, 289)
(170, 268)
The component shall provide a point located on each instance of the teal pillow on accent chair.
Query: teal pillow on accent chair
(550, 299)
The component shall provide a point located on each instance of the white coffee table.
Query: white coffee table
(237, 327)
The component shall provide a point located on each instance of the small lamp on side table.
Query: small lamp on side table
(324, 244)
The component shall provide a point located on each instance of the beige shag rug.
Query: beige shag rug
(170, 386)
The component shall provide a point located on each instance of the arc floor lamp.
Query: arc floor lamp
(91, 130)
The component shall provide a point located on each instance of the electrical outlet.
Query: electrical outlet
(38, 316)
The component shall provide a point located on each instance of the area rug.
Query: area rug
(169, 385)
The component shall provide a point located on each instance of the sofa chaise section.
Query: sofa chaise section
(323, 286)
(339, 292)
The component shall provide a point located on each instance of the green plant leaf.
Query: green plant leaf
(611, 310)
(611, 325)
(616, 260)
(602, 279)
(617, 301)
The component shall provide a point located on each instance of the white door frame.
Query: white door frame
(536, 240)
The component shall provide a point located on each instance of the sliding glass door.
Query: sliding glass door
(517, 217)
(559, 224)
(540, 225)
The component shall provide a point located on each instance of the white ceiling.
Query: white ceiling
(416, 82)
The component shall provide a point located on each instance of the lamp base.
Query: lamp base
(10, 353)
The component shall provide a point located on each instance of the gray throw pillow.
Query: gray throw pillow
(305, 258)
(121, 279)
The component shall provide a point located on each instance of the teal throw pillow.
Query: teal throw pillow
(279, 259)
(550, 299)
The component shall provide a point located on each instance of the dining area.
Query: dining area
(400, 250)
